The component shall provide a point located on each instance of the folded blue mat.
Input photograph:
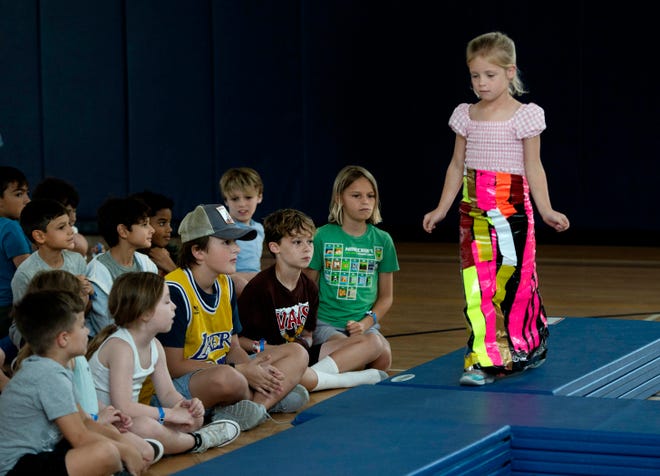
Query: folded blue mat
(584, 355)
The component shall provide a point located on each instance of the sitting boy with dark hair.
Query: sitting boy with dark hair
(162, 253)
(124, 225)
(65, 193)
(15, 246)
(43, 427)
(46, 223)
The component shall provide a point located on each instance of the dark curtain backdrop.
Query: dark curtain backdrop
(121, 96)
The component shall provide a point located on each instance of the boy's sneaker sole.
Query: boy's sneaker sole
(293, 401)
(246, 413)
(159, 451)
(475, 378)
(216, 434)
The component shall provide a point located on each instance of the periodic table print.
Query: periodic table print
(349, 268)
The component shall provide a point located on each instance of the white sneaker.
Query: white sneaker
(475, 377)
(246, 413)
(217, 433)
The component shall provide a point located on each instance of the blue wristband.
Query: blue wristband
(161, 415)
(373, 315)
(262, 344)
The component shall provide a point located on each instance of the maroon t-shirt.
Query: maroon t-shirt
(270, 311)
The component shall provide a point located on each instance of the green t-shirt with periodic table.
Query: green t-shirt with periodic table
(348, 267)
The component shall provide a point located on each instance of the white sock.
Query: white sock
(347, 379)
(326, 365)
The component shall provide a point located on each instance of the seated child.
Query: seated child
(60, 280)
(124, 225)
(279, 305)
(15, 246)
(14, 250)
(354, 263)
(42, 425)
(65, 193)
(204, 355)
(46, 223)
(125, 353)
(242, 190)
(162, 253)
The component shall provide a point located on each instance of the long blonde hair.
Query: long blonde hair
(344, 179)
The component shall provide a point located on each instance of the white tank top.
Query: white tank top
(101, 373)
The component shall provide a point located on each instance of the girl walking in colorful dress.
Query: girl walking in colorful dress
(497, 162)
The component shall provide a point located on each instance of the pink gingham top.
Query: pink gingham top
(497, 146)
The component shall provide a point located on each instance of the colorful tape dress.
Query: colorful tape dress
(504, 311)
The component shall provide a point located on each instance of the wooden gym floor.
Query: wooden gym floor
(426, 320)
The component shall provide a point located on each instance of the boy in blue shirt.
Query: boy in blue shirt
(14, 249)
(14, 245)
(242, 190)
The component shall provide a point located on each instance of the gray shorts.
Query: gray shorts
(324, 331)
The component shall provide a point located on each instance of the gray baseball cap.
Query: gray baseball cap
(213, 220)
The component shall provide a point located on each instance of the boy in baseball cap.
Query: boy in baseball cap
(212, 220)
(203, 352)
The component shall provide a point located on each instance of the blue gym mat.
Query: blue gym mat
(535, 423)
(587, 357)
(490, 408)
(340, 445)
(394, 430)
